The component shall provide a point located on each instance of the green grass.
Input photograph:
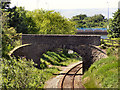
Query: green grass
(58, 59)
(102, 74)
(47, 74)
(66, 63)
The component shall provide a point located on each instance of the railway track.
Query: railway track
(72, 79)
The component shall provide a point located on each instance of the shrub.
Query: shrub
(102, 74)
(111, 51)
(22, 74)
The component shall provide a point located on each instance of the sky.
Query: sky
(65, 4)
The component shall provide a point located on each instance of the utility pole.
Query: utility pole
(119, 5)
(108, 16)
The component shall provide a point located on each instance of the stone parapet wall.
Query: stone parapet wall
(61, 39)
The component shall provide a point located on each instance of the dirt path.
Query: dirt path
(56, 81)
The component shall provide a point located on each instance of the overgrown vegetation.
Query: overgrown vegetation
(114, 31)
(10, 38)
(21, 73)
(61, 58)
(103, 73)
(39, 22)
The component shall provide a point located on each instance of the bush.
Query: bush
(102, 74)
(22, 74)
(111, 51)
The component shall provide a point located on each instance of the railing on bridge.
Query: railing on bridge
(92, 29)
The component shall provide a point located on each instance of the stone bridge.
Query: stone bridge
(84, 45)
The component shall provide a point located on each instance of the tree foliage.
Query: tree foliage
(9, 35)
(4, 4)
(83, 21)
(10, 39)
(114, 30)
(40, 22)
(18, 19)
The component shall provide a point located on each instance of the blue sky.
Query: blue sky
(71, 6)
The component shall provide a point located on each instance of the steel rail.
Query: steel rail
(73, 75)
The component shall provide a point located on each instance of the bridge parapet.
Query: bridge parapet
(61, 39)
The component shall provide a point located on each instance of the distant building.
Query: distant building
(4, 4)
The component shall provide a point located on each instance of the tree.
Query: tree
(114, 30)
(79, 17)
(9, 35)
(4, 4)
(98, 18)
(40, 22)
(51, 22)
(9, 40)
(18, 20)
(82, 21)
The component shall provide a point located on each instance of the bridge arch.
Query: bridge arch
(83, 45)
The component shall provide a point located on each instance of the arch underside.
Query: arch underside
(88, 53)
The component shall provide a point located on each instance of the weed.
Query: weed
(102, 74)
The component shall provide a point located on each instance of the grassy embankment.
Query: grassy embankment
(112, 41)
(22, 74)
(59, 59)
(103, 73)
